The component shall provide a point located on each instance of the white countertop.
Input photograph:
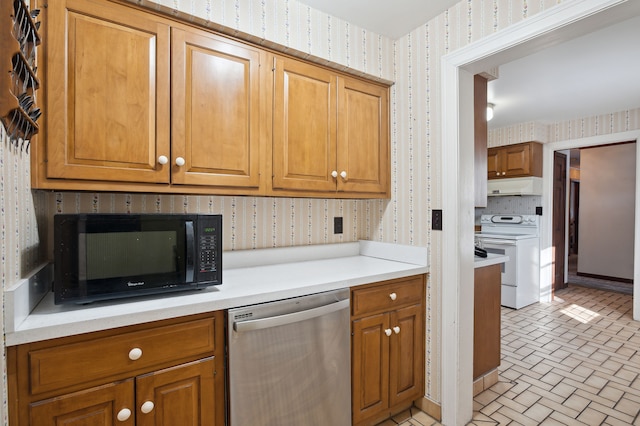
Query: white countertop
(249, 277)
(491, 259)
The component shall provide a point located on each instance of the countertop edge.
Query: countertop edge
(491, 259)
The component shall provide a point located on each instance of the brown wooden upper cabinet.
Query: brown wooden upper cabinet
(139, 102)
(523, 159)
(118, 121)
(330, 131)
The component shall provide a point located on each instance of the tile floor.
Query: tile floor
(575, 361)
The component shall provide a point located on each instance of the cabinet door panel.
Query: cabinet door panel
(304, 128)
(97, 406)
(215, 110)
(493, 163)
(184, 395)
(370, 366)
(517, 160)
(405, 362)
(363, 141)
(108, 102)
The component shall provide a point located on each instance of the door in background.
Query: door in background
(559, 210)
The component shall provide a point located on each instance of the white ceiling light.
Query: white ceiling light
(490, 111)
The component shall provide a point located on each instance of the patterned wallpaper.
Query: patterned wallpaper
(413, 62)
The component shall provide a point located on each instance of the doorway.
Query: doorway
(607, 235)
(563, 21)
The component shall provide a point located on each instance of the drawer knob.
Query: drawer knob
(387, 332)
(393, 296)
(135, 354)
(124, 414)
(147, 407)
(163, 159)
(396, 329)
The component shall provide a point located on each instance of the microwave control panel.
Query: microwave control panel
(209, 246)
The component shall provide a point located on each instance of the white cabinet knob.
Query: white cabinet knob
(334, 174)
(135, 354)
(497, 173)
(396, 329)
(180, 162)
(147, 407)
(504, 173)
(163, 159)
(393, 296)
(124, 414)
(387, 332)
(343, 174)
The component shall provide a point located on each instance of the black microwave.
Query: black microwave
(110, 256)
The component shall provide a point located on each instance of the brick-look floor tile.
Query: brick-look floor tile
(565, 420)
(527, 398)
(628, 406)
(538, 412)
(609, 412)
(596, 381)
(611, 393)
(512, 404)
(563, 390)
(576, 402)
(424, 419)
(487, 397)
(517, 417)
(551, 378)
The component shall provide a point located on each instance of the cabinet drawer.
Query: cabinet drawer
(387, 296)
(115, 356)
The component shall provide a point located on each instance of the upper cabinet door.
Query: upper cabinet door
(215, 103)
(363, 137)
(108, 97)
(304, 127)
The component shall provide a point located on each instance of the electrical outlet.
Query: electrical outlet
(337, 225)
(436, 220)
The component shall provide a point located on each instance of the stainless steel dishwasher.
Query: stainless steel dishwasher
(289, 362)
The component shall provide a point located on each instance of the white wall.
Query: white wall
(607, 210)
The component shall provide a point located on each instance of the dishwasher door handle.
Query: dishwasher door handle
(293, 317)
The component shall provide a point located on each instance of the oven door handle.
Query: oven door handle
(486, 241)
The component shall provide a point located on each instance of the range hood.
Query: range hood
(514, 186)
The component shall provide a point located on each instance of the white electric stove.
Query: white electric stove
(516, 236)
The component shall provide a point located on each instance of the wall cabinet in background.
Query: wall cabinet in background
(518, 160)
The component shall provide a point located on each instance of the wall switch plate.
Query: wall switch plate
(337, 225)
(436, 220)
(539, 210)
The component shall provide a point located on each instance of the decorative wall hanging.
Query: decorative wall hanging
(18, 81)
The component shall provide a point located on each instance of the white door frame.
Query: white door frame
(552, 26)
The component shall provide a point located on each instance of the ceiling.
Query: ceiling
(589, 75)
(391, 18)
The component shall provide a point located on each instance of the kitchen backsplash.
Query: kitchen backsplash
(248, 222)
(510, 204)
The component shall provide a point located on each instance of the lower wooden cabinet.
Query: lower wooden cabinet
(486, 319)
(185, 390)
(387, 348)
